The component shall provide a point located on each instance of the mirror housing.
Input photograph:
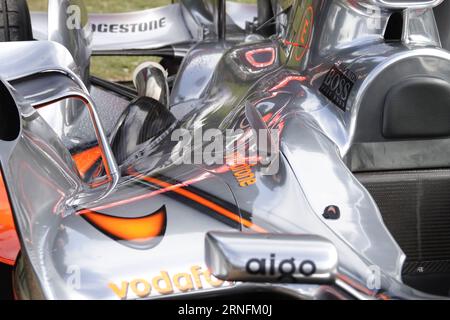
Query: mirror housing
(54, 80)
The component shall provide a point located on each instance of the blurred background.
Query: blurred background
(115, 68)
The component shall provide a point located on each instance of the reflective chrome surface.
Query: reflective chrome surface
(63, 88)
(420, 28)
(83, 256)
(56, 83)
(197, 69)
(185, 22)
(150, 80)
(271, 258)
(395, 4)
(69, 26)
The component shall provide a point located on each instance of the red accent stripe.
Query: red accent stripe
(250, 56)
(204, 202)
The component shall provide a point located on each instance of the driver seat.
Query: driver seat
(401, 154)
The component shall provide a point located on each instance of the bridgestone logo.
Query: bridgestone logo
(130, 27)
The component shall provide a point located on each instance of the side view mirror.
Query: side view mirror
(51, 82)
(271, 258)
(41, 179)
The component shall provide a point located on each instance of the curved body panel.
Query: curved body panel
(320, 88)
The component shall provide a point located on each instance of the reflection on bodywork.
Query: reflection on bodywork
(202, 201)
(141, 232)
(86, 159)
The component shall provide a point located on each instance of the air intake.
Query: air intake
(394, 29)
(9, 115)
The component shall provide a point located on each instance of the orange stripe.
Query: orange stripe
(209, 204)
(86, 159)
(9, 241)
(130, 229)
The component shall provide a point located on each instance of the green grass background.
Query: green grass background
(114, 68)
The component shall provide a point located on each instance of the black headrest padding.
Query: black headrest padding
(417, 108)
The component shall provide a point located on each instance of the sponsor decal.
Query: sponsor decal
(244, 175)
(332, 213)
(242, 171)
(285, 268)
(305, 33)
(139, 27)
(139, 233)
(338, 85)
(197, 278)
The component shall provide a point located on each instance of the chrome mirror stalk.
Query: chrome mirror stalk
(38, 93)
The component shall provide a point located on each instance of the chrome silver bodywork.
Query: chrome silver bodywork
(150, 80)
(141, 33)
(46, 85)
(186, 22)
(73, 259)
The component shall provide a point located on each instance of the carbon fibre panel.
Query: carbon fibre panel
(415, 206)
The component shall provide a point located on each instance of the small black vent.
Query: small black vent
(394, 29)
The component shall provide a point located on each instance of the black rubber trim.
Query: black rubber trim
(169, 51)
(15, 21)
(122, 90)
(143, 120)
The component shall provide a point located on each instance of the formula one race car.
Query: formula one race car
(301, 150)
